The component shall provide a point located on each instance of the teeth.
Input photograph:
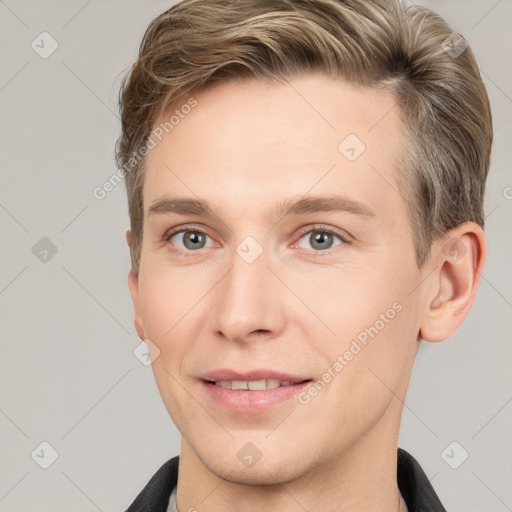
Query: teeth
(257, 384)
(253, 385)
(272, 383)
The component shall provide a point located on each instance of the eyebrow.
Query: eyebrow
(311, 204)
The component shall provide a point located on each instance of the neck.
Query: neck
(360, 479)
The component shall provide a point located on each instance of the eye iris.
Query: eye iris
(194, 238)
(319, 238)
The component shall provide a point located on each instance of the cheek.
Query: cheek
(366, 369)
(171, 309)
(369, 324)
(347, 304)
(164, 301)
(167, 312)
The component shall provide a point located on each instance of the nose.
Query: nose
(248, 301)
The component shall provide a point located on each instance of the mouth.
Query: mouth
(251, 392)
(256, 385)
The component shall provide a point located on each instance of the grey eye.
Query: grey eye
(320, 240)
(190, 239)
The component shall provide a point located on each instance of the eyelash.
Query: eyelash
(319, 228)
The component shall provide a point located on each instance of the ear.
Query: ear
(133, 285)
(460, 260)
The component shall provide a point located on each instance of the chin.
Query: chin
(263, 473)
(277, 462)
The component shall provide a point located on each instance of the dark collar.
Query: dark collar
(418, 493)
(155, 496)
(413, 483)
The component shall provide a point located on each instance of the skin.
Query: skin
(244, 148)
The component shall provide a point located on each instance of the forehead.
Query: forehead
(246, 143)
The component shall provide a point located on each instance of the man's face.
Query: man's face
(263, 296)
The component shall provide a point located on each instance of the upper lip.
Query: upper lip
(251, 375)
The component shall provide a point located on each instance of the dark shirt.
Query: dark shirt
(413, 483)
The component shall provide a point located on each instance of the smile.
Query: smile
(254, 385)
(251, 392)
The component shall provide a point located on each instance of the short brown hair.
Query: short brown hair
(408, 50)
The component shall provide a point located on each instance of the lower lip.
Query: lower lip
(244, 401)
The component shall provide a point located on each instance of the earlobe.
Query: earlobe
(461, 258)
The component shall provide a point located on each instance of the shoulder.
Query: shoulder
(155, 495)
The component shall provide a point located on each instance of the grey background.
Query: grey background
(67, 369)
